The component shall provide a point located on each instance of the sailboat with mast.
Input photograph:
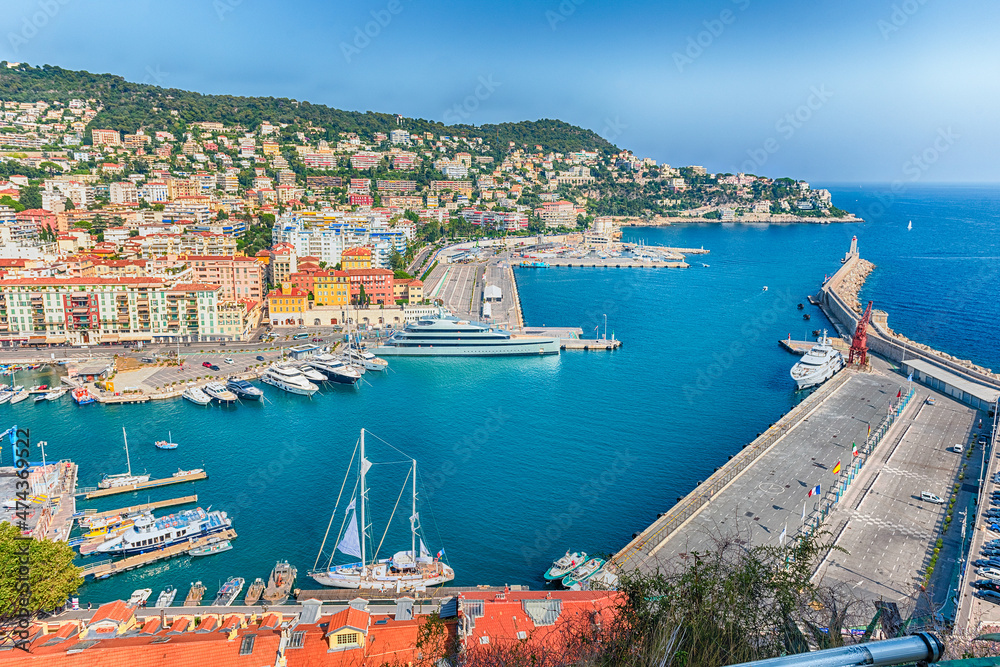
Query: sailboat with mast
(405, 571)
(123, 478)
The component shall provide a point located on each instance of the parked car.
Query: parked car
(260, 358)
(229, 361)
(987, 584)
(958, 449)
(932, 498)
(931, 401)
(213, 367)
(989, 573)
(986, 562)
(988, 595)
(206, 364)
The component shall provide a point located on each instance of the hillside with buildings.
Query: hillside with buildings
(131, 212)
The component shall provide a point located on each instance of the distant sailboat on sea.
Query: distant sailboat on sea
(909, 225)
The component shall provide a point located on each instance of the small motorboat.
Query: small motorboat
(184, 473)
(197, 396)
(81, 396)
(166, 444)
(582, 573)
(765, 288)
(139, 596)
(215, 546)
(800, 306)
(563, 566)
(56, 394)
(166, 598)
(218, 391)
(806, 317)
(254, 592)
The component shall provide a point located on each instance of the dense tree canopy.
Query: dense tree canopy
(51, 575)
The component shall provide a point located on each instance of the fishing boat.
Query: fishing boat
(166, 444)
(81, 396)
(197, 396)
(582, 573)
(124, 478)
(214, 546)
(405, 570)
(243, 389)
(229, 592)
(254, 592)
(166, 598)
(139, 596)
(288, 379)
(194, 595)
(218, 391)
(563, 566)
(279, 585)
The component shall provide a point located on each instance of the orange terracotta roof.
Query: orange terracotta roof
(195, 287)
(118, 611)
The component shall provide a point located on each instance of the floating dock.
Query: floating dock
(129, 398)
(106, 568)
(145, 507)
(589, 344)
(151, 484)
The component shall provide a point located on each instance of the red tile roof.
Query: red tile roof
(118, 611)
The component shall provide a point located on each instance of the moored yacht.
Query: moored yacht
(196, 395)
(243, 389)
(366, 359)
(447, 336)
(218, 391)
(123, 478)
(818, 365)
(288, 379)
(311, 374)
(334, 369)
(414, 569)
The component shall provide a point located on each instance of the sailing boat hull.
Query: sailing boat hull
(379, 577)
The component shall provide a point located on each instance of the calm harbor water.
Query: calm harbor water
(521, 459)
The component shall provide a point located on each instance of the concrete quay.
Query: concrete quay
(615, 263)
(763, 490)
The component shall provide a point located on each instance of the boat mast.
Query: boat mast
(364, 527)
(128, 459)
(413, 516)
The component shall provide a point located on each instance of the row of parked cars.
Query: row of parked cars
(988, 586)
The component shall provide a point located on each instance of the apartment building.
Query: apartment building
(237, 277)
(123, 193)
(92, 310)
(107, 137)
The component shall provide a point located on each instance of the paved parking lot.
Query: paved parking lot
(888, 532)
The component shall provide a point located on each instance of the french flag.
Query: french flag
(440, 553)
(814, 491)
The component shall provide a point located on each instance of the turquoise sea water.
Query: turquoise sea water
(521, 459)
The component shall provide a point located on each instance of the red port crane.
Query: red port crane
(859, 345)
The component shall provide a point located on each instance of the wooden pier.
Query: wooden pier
(141, 486)
(145, 507)
(106, 568)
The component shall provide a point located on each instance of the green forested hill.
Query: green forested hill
(129, 106)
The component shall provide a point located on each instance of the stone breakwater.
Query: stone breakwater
(851, 285)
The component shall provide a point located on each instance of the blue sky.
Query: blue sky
(825, 91)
